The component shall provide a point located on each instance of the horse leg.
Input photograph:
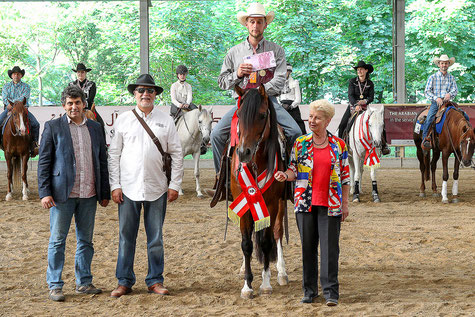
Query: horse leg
(435, 159)
(196, 159)
(282, 277)
(445, 175)
(375, 186)
(424, 170)
(24, 169)
(246, 246)
(455, 186)
(8, 159)
(356, 190)
(266, 242)
(352, 175)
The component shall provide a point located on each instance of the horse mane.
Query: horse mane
(247, 115)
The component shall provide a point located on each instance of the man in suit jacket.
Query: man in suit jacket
(72, 177)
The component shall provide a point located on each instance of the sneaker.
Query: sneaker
(88, 289)
(56, 295)
(332, 302)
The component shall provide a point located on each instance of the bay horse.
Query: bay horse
(16, 146)
(258, 149)
(194, 129)
(458, 137)
(364, 145)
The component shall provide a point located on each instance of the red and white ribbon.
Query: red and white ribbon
(371, 158)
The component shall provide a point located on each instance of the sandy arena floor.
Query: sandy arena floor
(407, 256)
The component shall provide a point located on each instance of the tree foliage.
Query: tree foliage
(322, 39)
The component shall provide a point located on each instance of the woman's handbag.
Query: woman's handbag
(167, 159)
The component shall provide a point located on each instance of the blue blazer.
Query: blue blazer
(57, 164)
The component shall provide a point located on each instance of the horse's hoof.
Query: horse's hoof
(8, 197)
(282, 280)
(422, 194)
(265, 291)
(356, 200)
(376, 200)
(180, 193)
(247, 294)
(455, 200)
(445, 201)
(435, 194)
(200, 196)
(25, 197)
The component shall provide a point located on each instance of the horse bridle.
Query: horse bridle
(17, 129)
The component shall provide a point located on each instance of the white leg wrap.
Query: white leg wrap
(282, 277)
(455, 188)
(25, 192)
(266, 288)
(444, 192)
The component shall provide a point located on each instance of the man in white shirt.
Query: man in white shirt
(137, 179)
(291, 98)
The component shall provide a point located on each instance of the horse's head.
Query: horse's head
(376, 124)
(205, 120)
(467, 145)
(19, 118)
(254, 121)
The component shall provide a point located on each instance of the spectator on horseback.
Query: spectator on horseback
(138, 180)
(440, 88)
(181, 94)
(360, 95)
(13, 91)
(88, 87)
(290, 98)
(72, 178)
(319, 165)
(235, 71)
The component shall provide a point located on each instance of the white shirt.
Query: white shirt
(181, 93)
(291, 92)
(135, 164)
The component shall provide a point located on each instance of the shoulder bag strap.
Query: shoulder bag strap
(149, 131)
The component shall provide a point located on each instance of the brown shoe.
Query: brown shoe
(121, 290)
(159, 289)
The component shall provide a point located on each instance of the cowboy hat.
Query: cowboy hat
(81, 66)
(144, 80)
(444, 58)
(255, 10)
(369, 67)
(16, 69)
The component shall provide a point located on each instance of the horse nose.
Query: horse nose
(206, 139)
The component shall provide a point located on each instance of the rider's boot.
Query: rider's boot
(203, 149)
(34, 149)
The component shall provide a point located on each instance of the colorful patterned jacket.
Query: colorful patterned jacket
(301, 164)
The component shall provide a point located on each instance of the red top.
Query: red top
(321, 176)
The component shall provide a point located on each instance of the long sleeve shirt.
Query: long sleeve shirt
(89, 88)
(291, 92)
(135, 164)
(438, 85)
(355, 94)
(228, 77)
(16, 92)
(181, 93)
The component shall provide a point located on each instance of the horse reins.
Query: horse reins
(472, 164)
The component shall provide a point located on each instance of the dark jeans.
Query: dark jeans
(294, 113)
(315, 227)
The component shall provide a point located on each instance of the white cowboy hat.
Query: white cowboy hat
(444, 58)
(255, 10)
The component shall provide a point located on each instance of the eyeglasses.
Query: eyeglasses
(142, 90)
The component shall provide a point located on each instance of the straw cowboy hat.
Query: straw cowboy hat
(444, 58)
(81, 66)
(255, 10)
(16, 69)
(144, 80)
(369, 67)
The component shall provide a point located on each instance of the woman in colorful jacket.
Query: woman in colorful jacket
(319, 165)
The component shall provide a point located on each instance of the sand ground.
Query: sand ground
(407, 256)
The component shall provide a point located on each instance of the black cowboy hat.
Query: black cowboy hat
(16, 69)
(369, 67)
(144, 80)
(81, 66)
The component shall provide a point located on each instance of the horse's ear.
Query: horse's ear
(262, 90)
(210, 110)
(238, 90)
(200, 108)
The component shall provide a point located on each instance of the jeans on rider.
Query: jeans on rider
(220, 133)
(430, 118)
(34, 124)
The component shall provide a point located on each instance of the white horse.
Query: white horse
(194, 129)
(369, 124)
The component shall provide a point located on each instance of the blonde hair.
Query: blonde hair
(323, 105)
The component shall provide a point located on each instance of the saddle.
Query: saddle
(438, 116)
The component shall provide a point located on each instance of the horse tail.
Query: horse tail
(16, 163)
(265, 241)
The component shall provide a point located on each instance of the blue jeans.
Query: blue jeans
(430, 118)
(220, 133)
(34, 124)
(84, 211)
(129, 221)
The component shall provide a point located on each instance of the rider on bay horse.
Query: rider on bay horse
(13, 91)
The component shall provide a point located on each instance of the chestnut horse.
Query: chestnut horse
(16, 146)
(458, 137)
(259, 149)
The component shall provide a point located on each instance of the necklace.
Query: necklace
(318, 144)
(361, 90)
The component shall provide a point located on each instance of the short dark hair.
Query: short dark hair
(72, 92)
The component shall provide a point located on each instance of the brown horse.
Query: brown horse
(16, 145)
(458, 137)
(259, 149)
